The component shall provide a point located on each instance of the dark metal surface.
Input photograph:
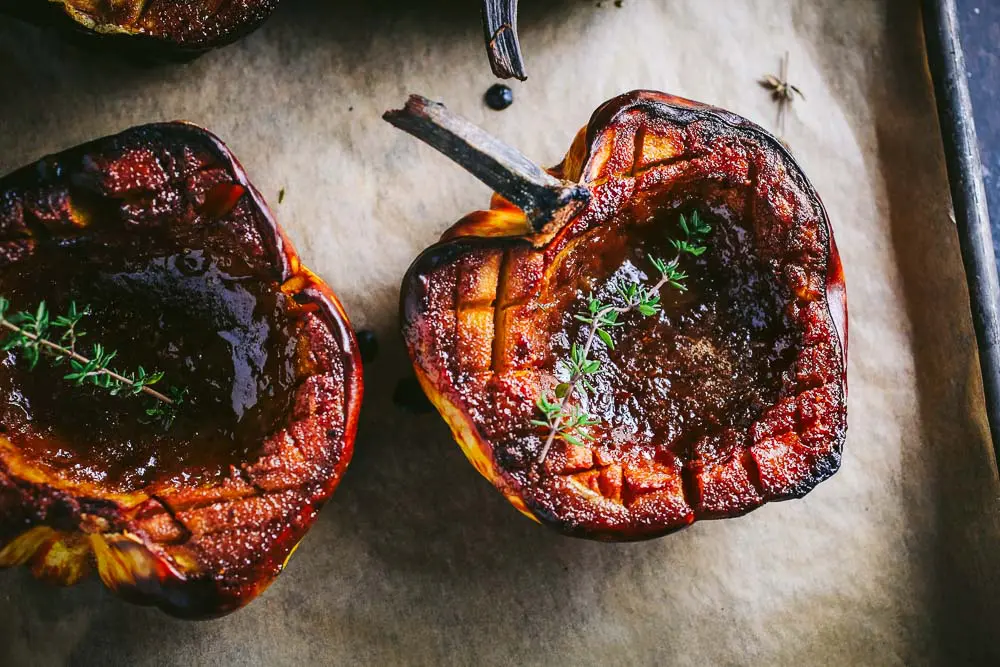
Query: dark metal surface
(965, 172)
(980, 27)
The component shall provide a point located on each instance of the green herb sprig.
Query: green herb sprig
(570, 421)
(39, 335)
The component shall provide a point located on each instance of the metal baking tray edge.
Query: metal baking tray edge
(968, 193)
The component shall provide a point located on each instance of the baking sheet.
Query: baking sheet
(417, 560)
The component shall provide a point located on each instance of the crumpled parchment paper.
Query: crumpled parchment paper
(417, 560)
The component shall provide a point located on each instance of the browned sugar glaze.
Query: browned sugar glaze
(684, 382)
(170, 289)
(711, 360)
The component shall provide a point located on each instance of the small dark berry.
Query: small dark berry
(368, 344)
(410, 396)
(499, 97)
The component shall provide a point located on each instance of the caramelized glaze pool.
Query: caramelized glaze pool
(712, 359)
(208, 322)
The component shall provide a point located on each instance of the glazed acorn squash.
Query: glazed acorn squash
(162, 28)
(158, 232)
(724, 397)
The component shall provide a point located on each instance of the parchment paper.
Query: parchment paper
(417, 560)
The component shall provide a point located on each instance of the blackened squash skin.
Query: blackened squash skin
(732, 396)
(159, 233)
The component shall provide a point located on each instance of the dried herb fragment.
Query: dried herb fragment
(782, 92)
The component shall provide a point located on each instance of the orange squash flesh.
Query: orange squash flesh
(733, 396)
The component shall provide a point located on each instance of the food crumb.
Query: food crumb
(281, 195)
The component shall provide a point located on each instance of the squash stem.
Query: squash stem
(502, 44)
(506, 170)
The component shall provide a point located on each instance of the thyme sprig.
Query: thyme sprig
(39, 334)
(570, 421)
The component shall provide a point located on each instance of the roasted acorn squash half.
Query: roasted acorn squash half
(159, 234)
(732, 394)
(169, 29)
